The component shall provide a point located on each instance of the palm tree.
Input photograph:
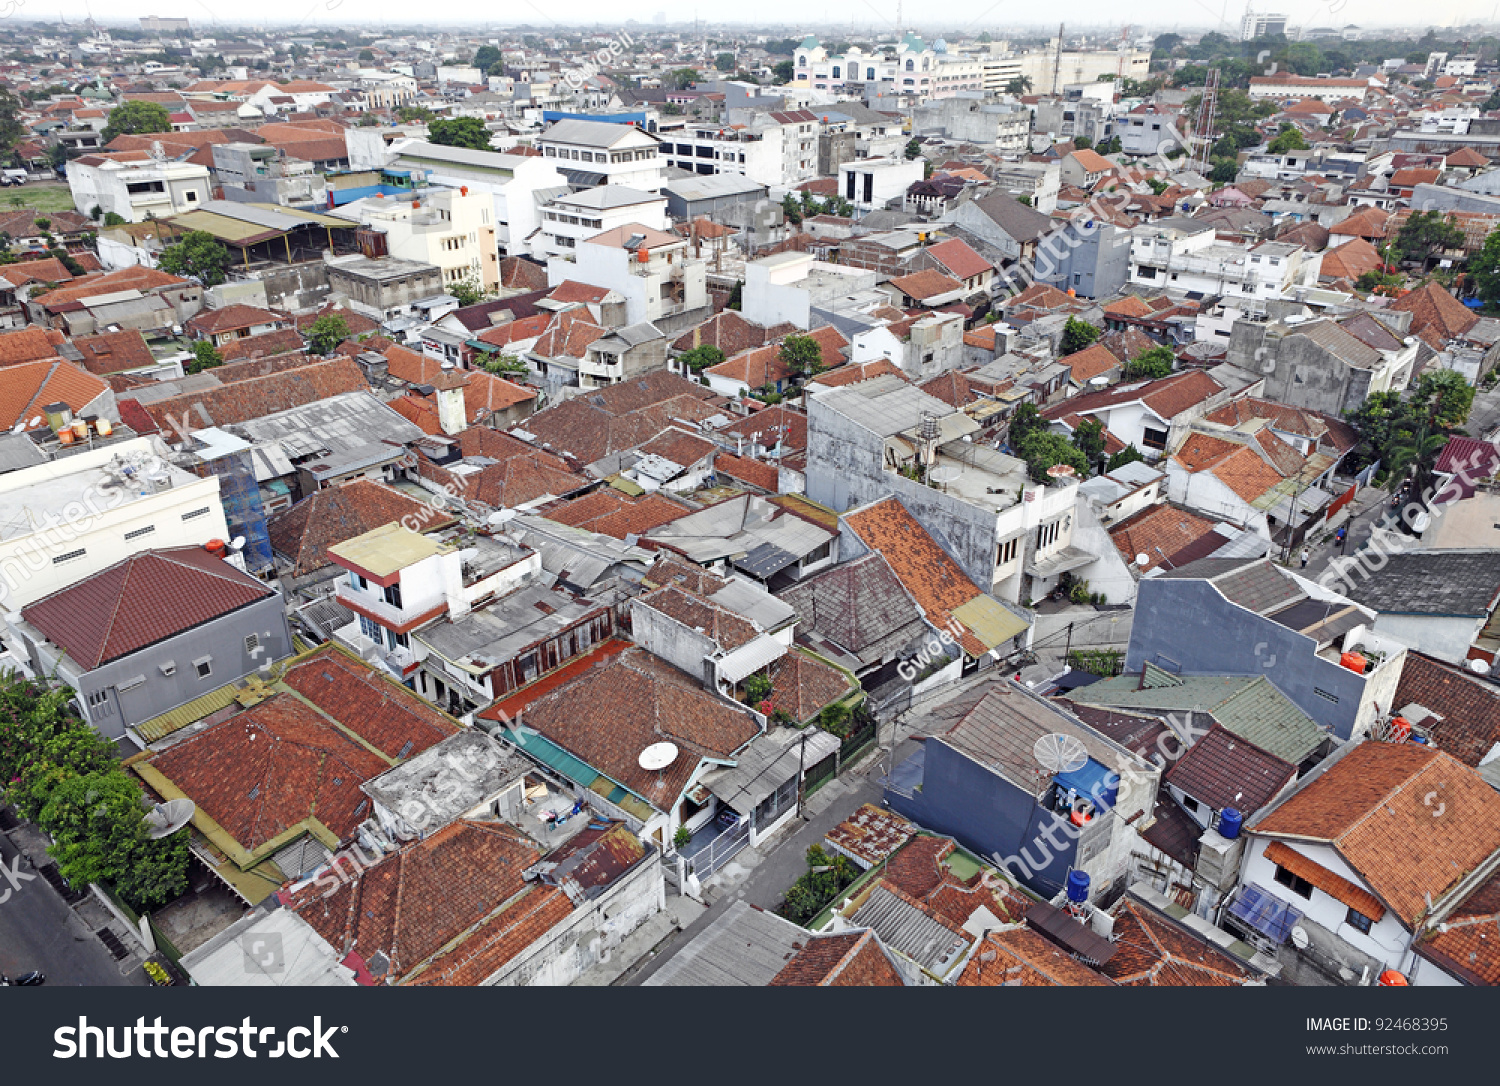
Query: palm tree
(1418, 454)
(1019, 85)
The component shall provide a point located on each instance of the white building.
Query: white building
(578, 216)
(872, 183)
(786, 286)
(452, 228)
(512, 182)
(66, 520)
(652, 270)
(590, 153)
(135, 186)
(1183, 255)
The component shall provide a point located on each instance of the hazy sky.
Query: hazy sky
(861, 15)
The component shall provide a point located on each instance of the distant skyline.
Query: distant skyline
(862, 15)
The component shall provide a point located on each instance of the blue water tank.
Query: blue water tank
(1078, 886)
(1230, 821)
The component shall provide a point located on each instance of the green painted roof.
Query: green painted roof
(1248, 705)
(158, 727)
(809, 42)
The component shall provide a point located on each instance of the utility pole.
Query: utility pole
(801, 754)
(1057, 64)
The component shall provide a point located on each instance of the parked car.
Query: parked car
(34, 979)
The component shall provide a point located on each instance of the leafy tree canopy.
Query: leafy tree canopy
(136, 118)
(467, 132)
(197, 253)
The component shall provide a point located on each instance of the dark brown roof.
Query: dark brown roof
(1152, 951)
(852, 959)
(1469, 707)
(144, 599)
(1223, 770)
(303, 533)
(253, 399)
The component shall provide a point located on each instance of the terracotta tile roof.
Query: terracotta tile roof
(1093, 361)
(1469, 707)
(281, 341)
(856, 372)
(1466, 944)
(1328, 433)
(132, 278)
(368, 702)
(568, 335)
(29, 344)
(1019, 956)
(678, 446)
(409, 907)
(1334, 885)
(30, 386)
(258, 397)
(952, 388)
(1370, 806)
(852, 959)
(1158, 526)
(1410, 178)
(1238, 467)
(1093, 161)
(418, 411)
(519, 274)
(275, 766)
(924, 284)
(623, 416)
(230, 318)
(804, 686)
(1466, 158)
(1167, 397)
(357, 323)
(610, 713)
(1367, 222)
(571, 292)
(113, 352)
(762, 476)
(1152, 951)
(144, 599)
(521, 925)
(519, 475)
(1349, 260)
(961, 261)
(725, 628)
(927, 572)
(1433, 307)
(611, 513)
(1128, 306)
(1223, 770)
(50, 270)
(1040, 296)
(303, 533)
(727, 330)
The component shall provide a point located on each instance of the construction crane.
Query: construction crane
(1120, 63)
(1203, 127)
(1057, 64)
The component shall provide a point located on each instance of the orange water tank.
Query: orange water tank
(65, 435)
(1400, 729)
(1353, 661)
(216, 547)
(643, 255)
(1392, 979)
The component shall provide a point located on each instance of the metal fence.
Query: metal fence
(720, 850)
(857, 742)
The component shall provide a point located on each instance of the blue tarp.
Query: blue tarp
(1265, 912)
(1092, 781)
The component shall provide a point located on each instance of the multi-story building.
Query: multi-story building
(590, 153)
(872, 183)
(1182, 255)
(260, 173)
(386, 90)
(136, 186)
(653, 271)
(383, 288)
(578, 216)
(452, 228)
(1148, 132)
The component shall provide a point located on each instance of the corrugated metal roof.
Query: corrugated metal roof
(750, 658)
(744, 947)
(158, 727)
(907, 930)
(766, 764)
(990, 621)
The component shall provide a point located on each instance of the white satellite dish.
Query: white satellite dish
(165, 819)
(658, 756)
(237, 543)
(1479, 667)
(944, 474)
(1059, 752)
(1142, 559)
(1299, 938)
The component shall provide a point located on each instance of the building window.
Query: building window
(101, 697)
(1358, 921)
(393, 595)
(370, 629)
(1325, 695)
(147, 530)
(356, 581)
(1047, 535)
(196, 513)
(204, 667)
(252, 643)
(1007, 551)
(1295, 883)
(1153, 439)
(1190, 803)
(69, 556)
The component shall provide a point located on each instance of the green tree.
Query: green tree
(96, 213)
(1077, 335)
(683, 78)
(1128, 455)
(1290, 139)
(783, 70)
(699, 359)
(1424, 233)
(1484, 270)
(466, 291)
(736, 295)
(1152, 363)
(205, 357)
(1224, 172)
(1088, 438)
(467, 132)
(415, 114)
(486, 57)
(1444, 396)
(197, 253)
(792, 209)
(724, 62)
(12, 130)
(1379, 422)
(1023, 420)
(913, 148)
(802, 354)
(136, 118)
(1042, 449)
(112, 219)
(366, 57)
(1018, 86)
(1083, 143)
(326, 333)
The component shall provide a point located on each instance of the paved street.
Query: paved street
(1371, 510)
(39, 931)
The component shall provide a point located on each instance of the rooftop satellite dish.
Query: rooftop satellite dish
(1479, 667)
(658, 756)
(1059, 752)
(165, 819)
(37, 421)
(945, 474)
(1142, 559)
(237, 543)
(1299, 938)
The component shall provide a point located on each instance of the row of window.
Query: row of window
(1302, 888)
(391, 593)
(573, 220)
(645, 154)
